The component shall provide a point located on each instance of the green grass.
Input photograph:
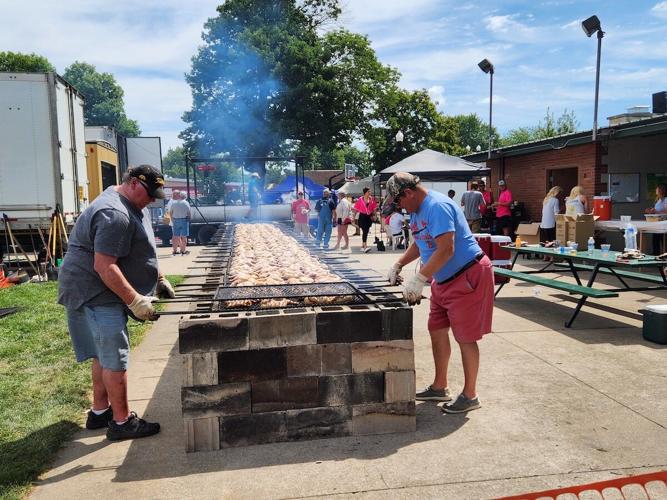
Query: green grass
(43, 391)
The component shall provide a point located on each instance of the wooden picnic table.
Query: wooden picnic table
(596, 263)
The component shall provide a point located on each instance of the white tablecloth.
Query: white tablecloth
(641, 225)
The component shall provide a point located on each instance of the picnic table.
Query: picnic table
(596, 263)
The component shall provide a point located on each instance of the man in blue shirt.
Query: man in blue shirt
(461, 287)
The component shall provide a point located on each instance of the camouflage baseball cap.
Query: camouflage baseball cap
(396, 184)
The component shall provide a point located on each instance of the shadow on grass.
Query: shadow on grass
(24, 459)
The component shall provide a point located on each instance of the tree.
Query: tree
(415, 114)
(549, 126)
(474, 132)
(24, 63)
(173, 163)
(103, 98)
(266, 76)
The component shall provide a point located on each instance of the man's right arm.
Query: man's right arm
(107, 268)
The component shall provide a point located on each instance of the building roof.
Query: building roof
(650, 126)
(322, 177)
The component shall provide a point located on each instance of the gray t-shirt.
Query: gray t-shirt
(113, 226)
(471, 200)
(179, 209)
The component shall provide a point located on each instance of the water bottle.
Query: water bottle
(630, 237)
(591, 245)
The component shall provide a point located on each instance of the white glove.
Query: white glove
(394, 276)
(164, 290)
(413, 289)
(142, 307)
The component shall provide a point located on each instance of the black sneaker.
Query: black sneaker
(431, 394)
(99, 421)
(134, 428)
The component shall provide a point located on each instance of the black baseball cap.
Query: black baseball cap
(151, 178)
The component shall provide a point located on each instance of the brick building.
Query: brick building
(531, 169)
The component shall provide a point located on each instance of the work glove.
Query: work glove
(164, 290)
(394, 276)
(142, 307)
(413, 289)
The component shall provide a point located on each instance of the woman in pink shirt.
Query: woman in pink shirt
(365, 207)
(503, 211)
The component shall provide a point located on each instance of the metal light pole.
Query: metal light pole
(486, 66)
(590, 26)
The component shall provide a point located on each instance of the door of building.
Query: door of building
(566, 178)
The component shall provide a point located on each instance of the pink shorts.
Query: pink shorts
(465, 304)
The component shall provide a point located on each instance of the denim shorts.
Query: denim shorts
(180, 227)
(100, 332)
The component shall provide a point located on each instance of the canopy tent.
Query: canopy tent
(285, 191)
(434, 166)
(356, 188)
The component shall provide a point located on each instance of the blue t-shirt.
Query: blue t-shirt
(438, 215)
(661, 205)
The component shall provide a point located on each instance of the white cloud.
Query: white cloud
(508, 28)
(437, 94)
(660, 9)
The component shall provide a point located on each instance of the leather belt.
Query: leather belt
(458, 273)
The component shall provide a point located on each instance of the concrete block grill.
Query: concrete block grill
(255, 375)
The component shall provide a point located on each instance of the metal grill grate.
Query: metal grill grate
(286, 291)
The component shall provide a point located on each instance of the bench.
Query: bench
(651, 278)
(551, 283)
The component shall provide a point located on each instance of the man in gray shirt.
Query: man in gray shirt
(179, 211)
(110, 270)
(471, 201)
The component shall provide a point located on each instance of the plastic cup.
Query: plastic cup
(573, 250)
(605, 249)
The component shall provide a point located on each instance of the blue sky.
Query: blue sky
(541, 55)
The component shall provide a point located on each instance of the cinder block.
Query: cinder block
(386, 418)
(282, 330)
(304, 360)
(336, 359)
(250, 366)
(284, 394)
(216, 400)
(349, 325)
(397, 323)
(362, 388)
(395, 355)
(399, 386)
(212, 334)
(319, 423)
(200, 369)
(253, 429)
(202, 434)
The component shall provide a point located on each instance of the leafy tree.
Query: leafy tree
(415, 114)
(474, 132)
(549, 126)
(24, 63)
(104, 98)
(266, 76)
(173, 163)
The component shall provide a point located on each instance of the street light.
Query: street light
(486, 66)
(399, 144)
(590, 26)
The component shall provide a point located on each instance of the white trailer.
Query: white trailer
(42, 149)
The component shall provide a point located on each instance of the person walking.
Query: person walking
(111, 270)
(461, 286)
(550, 208)
(300, 214)
(179, 211)
(343, 216)
(174, 242)
(503, 208)
(325, 208)
(471, 201)
(576, 203)
(365, 207)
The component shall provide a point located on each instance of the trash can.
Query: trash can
(655, 324)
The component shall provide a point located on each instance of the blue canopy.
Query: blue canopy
(285, 191)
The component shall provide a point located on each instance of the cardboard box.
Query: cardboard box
(580, 228)
(530, 233)
(561, 228)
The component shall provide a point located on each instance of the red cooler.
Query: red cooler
(484, 242)
(602, 207)
(497, 250)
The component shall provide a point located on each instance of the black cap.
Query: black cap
(151, 178)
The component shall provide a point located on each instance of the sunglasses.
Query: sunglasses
(148, 193)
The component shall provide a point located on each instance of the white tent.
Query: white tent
(356, 188)
(434, 166)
